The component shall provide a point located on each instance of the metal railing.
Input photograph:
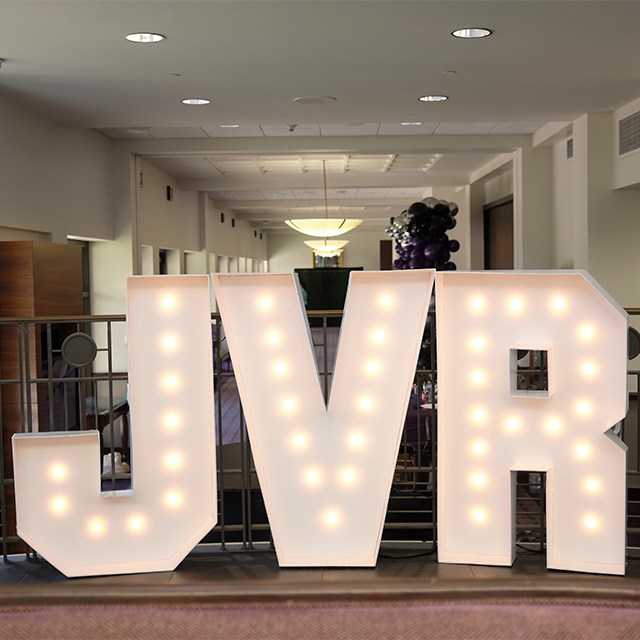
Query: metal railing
(40, 391)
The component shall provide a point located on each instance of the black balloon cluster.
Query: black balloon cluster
(421, 236)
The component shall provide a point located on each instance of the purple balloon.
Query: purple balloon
(449, 266)
(454, 245)
(430, 251)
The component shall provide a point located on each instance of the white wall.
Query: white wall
(53, 180)
(626, 169)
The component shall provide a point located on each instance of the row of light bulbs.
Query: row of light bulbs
(314, 477)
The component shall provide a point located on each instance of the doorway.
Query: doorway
(498, 234)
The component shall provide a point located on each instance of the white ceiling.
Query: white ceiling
(545, 61)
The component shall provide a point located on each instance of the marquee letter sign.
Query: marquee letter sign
(531, 376)
(61, 512)
(325, 471)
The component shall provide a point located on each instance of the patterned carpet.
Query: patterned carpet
(344, 617)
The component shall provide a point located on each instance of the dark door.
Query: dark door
(498, 234)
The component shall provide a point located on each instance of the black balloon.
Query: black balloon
(454, 245)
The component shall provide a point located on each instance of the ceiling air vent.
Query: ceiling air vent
(629, 134)
(569, 148)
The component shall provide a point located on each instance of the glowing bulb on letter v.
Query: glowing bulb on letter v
(60, 509)
(325, 470)
(552, 349)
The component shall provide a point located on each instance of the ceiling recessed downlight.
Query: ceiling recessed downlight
(145, 38)
(471, 32)
(196, 101)
(433, 98)
(229, 126)
(315, 100)
(411, 124)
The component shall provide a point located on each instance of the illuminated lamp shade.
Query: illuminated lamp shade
(61, 512)
(327, 248)
(323, 227)
(326, 507)
(557, 424)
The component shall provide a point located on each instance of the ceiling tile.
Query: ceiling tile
(396, 129)
(177, 132)
(243, 131)
(460, 128)
(349, 129)
(517, 127)
(282, 131)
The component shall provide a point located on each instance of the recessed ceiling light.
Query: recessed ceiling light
(315, 100)
(139, 131)
(196, 101)
(410, 124)
(433, 98)
(229, 126)
(145, 38)
(471, 32)
(279, 195)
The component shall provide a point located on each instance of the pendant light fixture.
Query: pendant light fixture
(327, 248)
(323, 227)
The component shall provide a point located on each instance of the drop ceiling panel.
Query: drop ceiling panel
(177, 132)
(370, 129)
(282, 131)
(462, 128)
(396, 129)
(243, 131)
(185, 167)
(517, 127)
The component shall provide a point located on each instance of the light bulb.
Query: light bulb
(265, 303)
(478, 479)
(173, 498)
(377, 335)
(385, 301)
(515, 304)
(479, 448)
(479, 515)
(170, 382)
(356, 440)
(477, 377)
(169, 342)
(288, 405)
(590, 522)
(299, 441)
(366, 403)
(59, 505)
(513, 424)
(553, 425)
(173, 460)
(477, 343)
(479, 415)
(58, 472)
(558, 304)
(372, 367)
(136, 524)
(96, 527)
(331, 518)
(477, 304)
(348, 476)
(312, 476)
(168, 302)
(273, 337)
(280, 368)
(586, 332)
(588, 369)
(592, 485)
(171, 420)
(582, 450)
(583, 408)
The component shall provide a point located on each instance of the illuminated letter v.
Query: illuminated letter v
(325, 472)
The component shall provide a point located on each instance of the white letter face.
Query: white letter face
(325, 473)
(60, 510)
(490, 426)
